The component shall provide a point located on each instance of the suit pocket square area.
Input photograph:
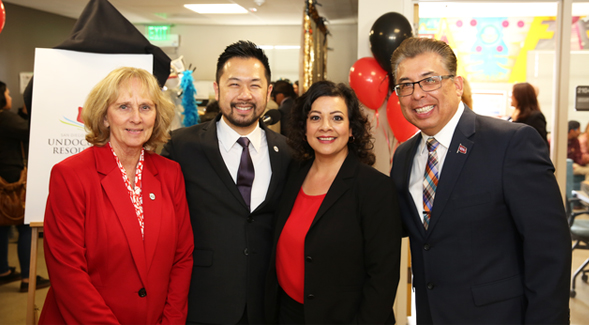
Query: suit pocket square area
(496, 291)
(202, 257)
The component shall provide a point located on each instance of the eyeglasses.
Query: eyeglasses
(428, 84)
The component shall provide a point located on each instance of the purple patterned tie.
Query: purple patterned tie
(245, 173)
(430, 180)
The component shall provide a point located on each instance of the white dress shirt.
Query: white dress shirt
(444, 137)
(231, 153)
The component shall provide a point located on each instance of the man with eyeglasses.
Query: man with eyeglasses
(489, 237)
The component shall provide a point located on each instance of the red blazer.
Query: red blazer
(101, 271)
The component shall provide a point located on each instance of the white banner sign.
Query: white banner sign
(63, 80)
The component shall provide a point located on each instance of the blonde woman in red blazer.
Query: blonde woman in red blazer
(118, 240)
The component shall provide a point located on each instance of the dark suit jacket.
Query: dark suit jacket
(98, 264)
(498, 249)
(285, 108)
(231, 245)
(352, 248)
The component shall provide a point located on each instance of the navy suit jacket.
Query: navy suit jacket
(498, 248)
(231, 245)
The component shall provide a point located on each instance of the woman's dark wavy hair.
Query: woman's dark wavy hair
(360, 143)
(2, 97)
(527, 102)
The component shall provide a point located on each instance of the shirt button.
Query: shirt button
(142, 293)
(246, 252)
(250, 219)
(426, 247)
(311, 296)
(430, 286)
(309, 259)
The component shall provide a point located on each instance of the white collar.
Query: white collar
(444, 137)
(228, 137)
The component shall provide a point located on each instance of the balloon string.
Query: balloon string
(377, 118)
(388, 140)
(393, 151)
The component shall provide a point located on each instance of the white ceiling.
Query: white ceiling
(290, 12)
(271, 12)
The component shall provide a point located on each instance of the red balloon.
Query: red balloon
(2, 16)
(402, 129)
(370, 82)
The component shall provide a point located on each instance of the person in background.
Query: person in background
(211, 111)
(118, 239)
(467, 94)
(284, 94)
(584, 145)
(574, 150)
(235, 169)
(527, 109)
(295, 87)
(490, 242)
(338, 230)
(14, 139)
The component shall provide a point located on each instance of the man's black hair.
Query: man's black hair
(245, 50)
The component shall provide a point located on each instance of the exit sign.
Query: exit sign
(158, 33)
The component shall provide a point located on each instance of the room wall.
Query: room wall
(25, 30)
(201, 46)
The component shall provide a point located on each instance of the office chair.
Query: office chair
(579, 234)
(579, 228)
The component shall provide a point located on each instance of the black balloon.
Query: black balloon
(386, 34)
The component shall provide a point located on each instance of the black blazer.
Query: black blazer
(536, 120)
(352, 248)
(498, 249)
(231, 245)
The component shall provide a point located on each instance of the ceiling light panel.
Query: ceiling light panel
(210, 9)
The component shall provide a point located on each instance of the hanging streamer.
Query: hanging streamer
(188, 100)
(314, 49)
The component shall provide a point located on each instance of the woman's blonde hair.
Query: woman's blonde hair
(107, 91)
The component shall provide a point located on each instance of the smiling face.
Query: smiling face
(242, 93)
(131, 118)
(428, 111)
(328, 127)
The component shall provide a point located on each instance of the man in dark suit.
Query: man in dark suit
(283, 94)
(489, 237)
(232, 227)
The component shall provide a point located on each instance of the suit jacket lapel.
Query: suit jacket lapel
(152, 208)
(342, 182)
(117, 193)
(458, 152)
(211, 149)
(413, 144)
(278, 162)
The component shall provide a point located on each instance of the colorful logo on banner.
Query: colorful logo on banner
(78, 123)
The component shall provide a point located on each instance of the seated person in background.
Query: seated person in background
(574, 149)
(584, 144)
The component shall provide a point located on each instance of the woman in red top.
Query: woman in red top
(337, 238)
